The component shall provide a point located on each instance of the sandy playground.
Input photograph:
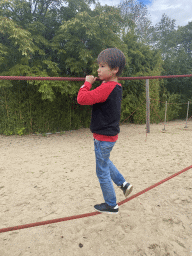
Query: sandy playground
(44, 178)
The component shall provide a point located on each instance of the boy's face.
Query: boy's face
(106, 73)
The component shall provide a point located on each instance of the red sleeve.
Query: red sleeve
(100, 94)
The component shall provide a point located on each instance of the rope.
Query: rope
(153, 186)
(83, 79)
(92, 213)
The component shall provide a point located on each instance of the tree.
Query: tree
(185, 37)
(143, 61)
(179, 61)
(16, 45)
(164, 35)
(176, 48)
(136, 15)
(69, 50)
(80, 40)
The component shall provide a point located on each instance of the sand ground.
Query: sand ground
(44, 178)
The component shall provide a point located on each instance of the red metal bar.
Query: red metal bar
(83, 78)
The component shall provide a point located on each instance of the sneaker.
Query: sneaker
(127, 189)
(106, 208)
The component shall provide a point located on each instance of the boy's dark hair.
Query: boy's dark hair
(113, 57)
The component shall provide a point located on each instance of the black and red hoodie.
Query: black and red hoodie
(106, 109)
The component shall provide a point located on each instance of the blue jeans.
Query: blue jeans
(106, 171)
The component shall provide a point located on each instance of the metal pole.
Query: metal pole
(165, 115)
(187, 115)
(147, 107)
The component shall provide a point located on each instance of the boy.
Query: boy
(106, 101)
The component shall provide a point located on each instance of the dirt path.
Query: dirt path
(44, 178)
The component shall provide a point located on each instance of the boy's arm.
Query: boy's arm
(87, 97)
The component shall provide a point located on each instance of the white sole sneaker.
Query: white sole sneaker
(105, 208)
(128, 190)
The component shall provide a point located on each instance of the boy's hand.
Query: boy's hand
(90, 79)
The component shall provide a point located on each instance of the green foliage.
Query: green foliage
(24, 112)
(173, 105)
(80, 39)
(164, 35)
(142, 62)
(49, 38)
(15, 45)
(175, 47)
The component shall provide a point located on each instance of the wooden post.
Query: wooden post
(165, 115)
(147, 107)
(187, 115)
